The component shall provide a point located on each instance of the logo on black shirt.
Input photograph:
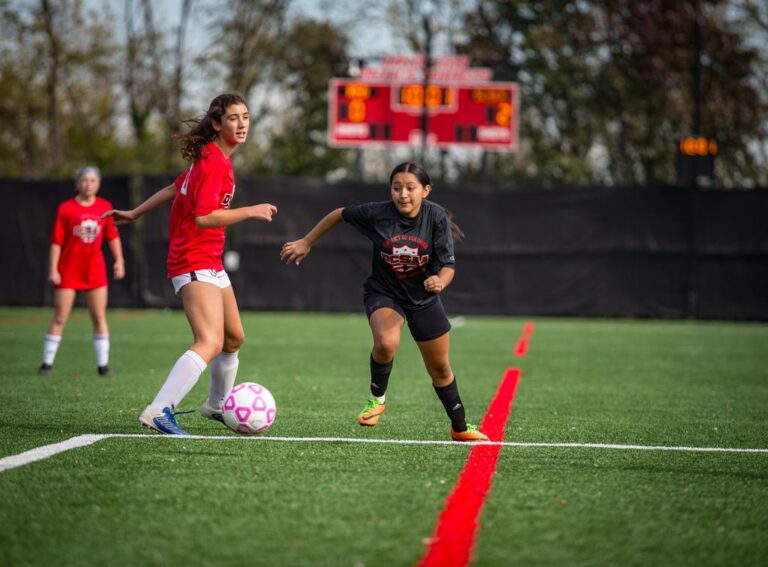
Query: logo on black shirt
(405, 260)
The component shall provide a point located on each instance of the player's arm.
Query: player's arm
(161, 197)
(440, 281)
(297, 250)
(443, 252)
(118, 267)
(227, 217)
(53, 264)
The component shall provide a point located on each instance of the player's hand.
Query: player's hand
(120, 217)
(434, 284)
(118, 270)
(295, 251)
(264, 212)
(55, 277)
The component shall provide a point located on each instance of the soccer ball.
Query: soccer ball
(249, 408)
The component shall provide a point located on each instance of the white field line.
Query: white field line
(46, 451)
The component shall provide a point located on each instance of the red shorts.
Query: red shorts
(72, 279)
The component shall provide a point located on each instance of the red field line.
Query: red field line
(454, 537)
(521, 347)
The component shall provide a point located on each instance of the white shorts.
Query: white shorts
(219, 278)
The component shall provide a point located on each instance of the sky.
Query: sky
(368, 36)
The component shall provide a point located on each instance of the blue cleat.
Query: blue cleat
(163, 422)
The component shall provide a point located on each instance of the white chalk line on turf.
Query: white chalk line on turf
(46, 451)
(453, 443)
(40, 453)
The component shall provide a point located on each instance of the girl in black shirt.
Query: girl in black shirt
(412, 264)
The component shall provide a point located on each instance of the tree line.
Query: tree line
(607, 87)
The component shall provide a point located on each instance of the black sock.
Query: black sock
(449, 395)
(380, 376)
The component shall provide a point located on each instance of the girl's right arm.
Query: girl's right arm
(53, 264)
(160, 198)
(297, 250)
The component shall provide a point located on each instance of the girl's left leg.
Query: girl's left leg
(204, 308)
(97, 308)
(224, 366)
(436, 359)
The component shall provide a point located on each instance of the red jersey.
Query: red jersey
(79, 230)
(205, 187)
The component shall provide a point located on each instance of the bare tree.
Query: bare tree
(176, 90)
(48, 17)
(56, 94)
(246, 42)
(141, 80)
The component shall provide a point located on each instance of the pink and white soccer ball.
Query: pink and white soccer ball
(249, 408)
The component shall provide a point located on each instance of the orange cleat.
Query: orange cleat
(371, 413)
(471, 435)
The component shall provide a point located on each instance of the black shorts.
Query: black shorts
(425, 323)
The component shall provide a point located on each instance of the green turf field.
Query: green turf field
(168, 501)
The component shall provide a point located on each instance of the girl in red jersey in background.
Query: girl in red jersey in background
(76, 263)
(202, 196)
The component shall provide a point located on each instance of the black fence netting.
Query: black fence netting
(587, 251)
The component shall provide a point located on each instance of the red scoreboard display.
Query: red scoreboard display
(369, 113)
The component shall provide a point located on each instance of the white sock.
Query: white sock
(50, 347)
(101, 347)
(223, 373)
(380, 399)
(180, 381)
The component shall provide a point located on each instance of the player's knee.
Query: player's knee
(385, 347)
(233, 342)
(209, 347)
(440, 371)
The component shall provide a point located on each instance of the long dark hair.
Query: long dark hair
(202, 132)
(421, 174)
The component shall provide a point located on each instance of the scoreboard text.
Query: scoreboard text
(370, 113)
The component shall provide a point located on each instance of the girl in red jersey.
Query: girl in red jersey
(77, 264)
(202, 196)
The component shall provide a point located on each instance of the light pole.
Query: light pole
(425, 85)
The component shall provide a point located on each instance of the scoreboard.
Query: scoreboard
(365, 113)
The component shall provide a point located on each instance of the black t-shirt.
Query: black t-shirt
(405, 251)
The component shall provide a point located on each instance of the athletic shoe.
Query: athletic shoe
(210, 412)
(371, 412)
(471, 435)
(45, 369)
(104, 371)
(163, 422)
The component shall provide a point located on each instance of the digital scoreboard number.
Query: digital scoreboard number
(366, 113)
(696, 160)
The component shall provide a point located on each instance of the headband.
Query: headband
(87, 170)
